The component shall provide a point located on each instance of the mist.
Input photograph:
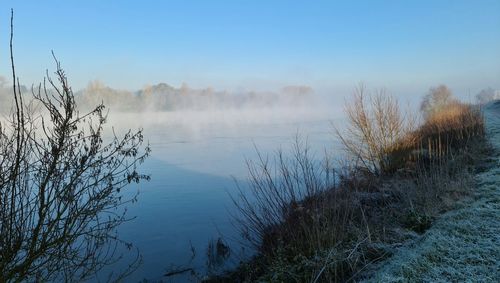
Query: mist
(164, 97)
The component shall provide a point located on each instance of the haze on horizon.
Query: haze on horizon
(239, 46)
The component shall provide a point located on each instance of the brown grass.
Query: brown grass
(452, 127)
(440, 136)
(310, 223)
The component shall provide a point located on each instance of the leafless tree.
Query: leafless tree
(486, 95)
(435, 100)
(60, 183)
(375, 128)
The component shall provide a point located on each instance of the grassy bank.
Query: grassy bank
(463, 243)
(310, 222)
(461, 246)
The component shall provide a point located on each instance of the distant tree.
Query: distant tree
(436, 99)
(97, 92)
(297, 90)
(60, 183)
(485, 95)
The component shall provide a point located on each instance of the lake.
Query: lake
(196, 158)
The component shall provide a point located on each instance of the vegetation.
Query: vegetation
(310, 222)
(163, 97)
(486, 95)
(60, 183)
(436, 100)
(462, 243)
(376, 129)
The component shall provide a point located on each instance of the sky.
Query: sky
(406, 46)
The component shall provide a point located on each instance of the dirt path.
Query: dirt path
(464, 244)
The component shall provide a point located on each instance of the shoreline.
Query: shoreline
(387, 215)
(463, 244)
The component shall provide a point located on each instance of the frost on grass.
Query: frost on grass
(464, 244)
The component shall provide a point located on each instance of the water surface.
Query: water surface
(196, 157)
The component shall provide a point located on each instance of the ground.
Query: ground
(464, 244)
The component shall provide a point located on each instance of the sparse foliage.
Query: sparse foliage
(311, 223)
(276, 185)
(291, 212)
(375, 129)
(436, 100)
(60, 183)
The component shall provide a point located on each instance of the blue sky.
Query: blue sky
(406, 46)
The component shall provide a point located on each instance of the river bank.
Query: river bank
(351, 230)
(463, 244)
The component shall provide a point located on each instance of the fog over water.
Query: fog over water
(200, 140)
(214, 84)
(194, 157)
(196, 153)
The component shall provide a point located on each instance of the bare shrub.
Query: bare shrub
(276, 187)
(376, 128)
(310, 223)
(60, 183)
(303, 224)
(436, 100)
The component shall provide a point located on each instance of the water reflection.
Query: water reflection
(192, 168)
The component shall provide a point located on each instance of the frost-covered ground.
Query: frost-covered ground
(464, 244)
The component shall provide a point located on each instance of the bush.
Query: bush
(290, 212)
(60, 183)
(376, 131)
(310, 227)
(278, 190)
(437, 99)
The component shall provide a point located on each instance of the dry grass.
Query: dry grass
(381, 138)
(310, 223)
(451, 128)
(461, 246)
